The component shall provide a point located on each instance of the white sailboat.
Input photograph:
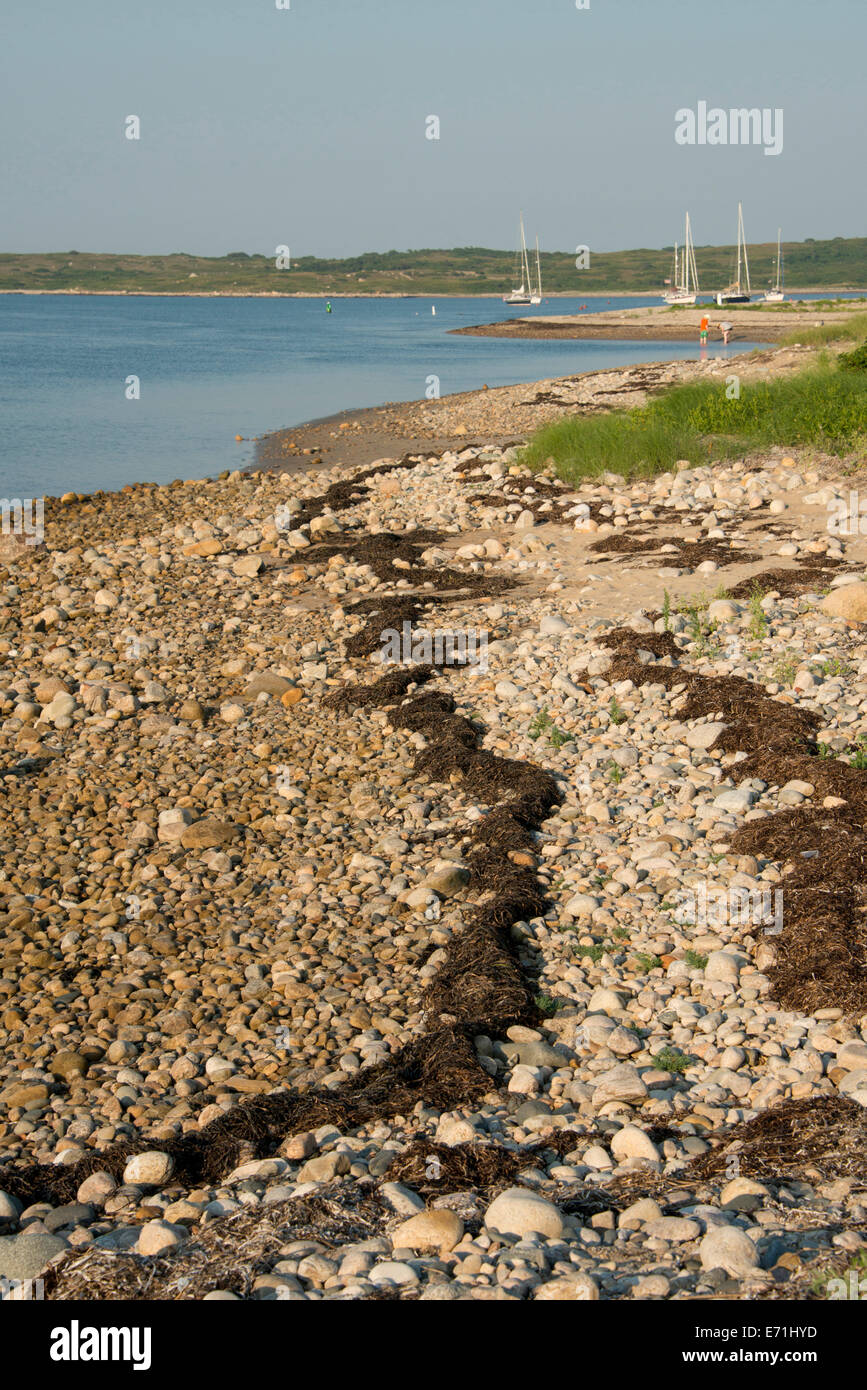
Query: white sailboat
(536, 293)
(524, 293)
(685, 283)
(776, 295)
(739, 291)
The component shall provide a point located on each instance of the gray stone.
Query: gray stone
(72, 1214)
(620, 1083)
(392, 1272)
(737, 799)
(402, 1199)
(704, 735)
(324, 1168)
(728, 1248)
(27, 1256)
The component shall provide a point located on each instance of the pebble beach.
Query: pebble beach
(323, 979)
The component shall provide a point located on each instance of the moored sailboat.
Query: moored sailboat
(739, 291)
(776, 295)
(536, 292)
(685, 283)
(524, 294)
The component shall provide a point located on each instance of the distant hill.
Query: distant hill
(837, 264)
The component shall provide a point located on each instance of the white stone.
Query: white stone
(517, 1212)
(149, 1169)
(632, 1142)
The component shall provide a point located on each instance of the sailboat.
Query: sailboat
(776, 296)
(536, 294)
(680, 292)
(739, 292)
(525, 293)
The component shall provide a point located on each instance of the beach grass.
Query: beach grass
(823, 407)
(849, 330)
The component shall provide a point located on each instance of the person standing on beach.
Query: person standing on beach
(702, 330)
(726, 329)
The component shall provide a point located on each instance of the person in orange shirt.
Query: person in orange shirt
(703, 327)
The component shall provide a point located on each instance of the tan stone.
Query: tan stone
(849, 601)
(429, 1230)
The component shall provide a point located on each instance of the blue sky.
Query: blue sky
(306, 126)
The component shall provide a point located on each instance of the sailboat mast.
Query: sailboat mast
(519, 256)
(692, 255)
(778, 286)
(686, 256)
(538, 271)
(746, 260)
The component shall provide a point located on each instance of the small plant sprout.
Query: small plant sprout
(615, 713)
(646, 961)
(666, 610)
(758, 618)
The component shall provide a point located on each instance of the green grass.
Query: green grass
(859, 756)
(669, 1060)
(856, 360)
(594, 953)
(855, 327)
(695, 960)
(820, 1282)
(547, 1006)
(646, 961)
(834, 666)
(823, 407)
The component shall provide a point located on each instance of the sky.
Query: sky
(307, 126)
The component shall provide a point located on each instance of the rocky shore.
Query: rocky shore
(498, 415)
(539, 978)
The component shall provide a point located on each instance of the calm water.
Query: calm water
(213, 368)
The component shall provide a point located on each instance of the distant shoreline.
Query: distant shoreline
(753, 322)
(384, 294)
